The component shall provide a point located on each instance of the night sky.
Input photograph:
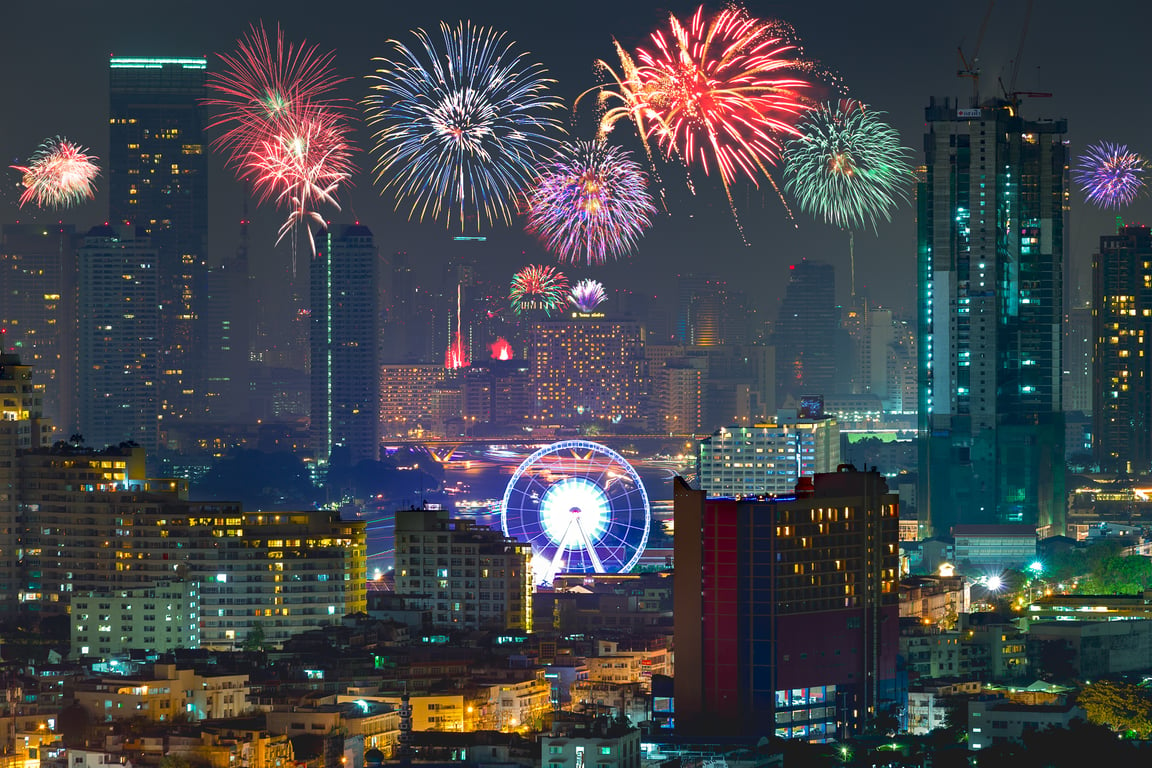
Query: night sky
(892, 55)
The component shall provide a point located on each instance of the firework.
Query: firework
(264, 87)
(720, 90)
(283, 131)
(500, 349)
(456, 355)
(848, 166)
(59, 174)
(538, 287)
(460, 126)
(590, 203)
(1110, 175)
(587, 295)
(300, 166)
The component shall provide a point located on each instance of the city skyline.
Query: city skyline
(896, 69)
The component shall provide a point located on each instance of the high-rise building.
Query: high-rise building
(586, 367)
(158, 181)
(119, 328)
(344, 326)
(22, 428)
(406, 396)
(786, 616)
(467, 576)
(767, 458)
(227, 330)
(38, 312)
(990, 234)
(1121, 329)
(806, 333)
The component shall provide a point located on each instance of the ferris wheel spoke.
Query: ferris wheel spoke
(589, 549)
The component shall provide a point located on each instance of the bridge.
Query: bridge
(442, 449)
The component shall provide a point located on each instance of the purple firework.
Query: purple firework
(587, 295)
(1110, 174)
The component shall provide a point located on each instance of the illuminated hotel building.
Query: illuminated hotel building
(786, 615)
(119, 338)
(1121, 329)
(585, 367)
(406, 396)
(991, 219)
(767, 458)
(345, 340)
(467, 576)
(158, 181)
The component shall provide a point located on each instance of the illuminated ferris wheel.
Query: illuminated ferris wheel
(581, 506)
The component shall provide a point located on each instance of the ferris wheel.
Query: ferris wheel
(581, 506)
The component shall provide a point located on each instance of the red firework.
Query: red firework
(300, 164)
(456, 356)
(263, 85)
(721, 90)
(500, 349)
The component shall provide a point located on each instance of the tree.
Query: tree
(254, 640)
(1120, 706)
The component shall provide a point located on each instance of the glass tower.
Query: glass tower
(992, 209)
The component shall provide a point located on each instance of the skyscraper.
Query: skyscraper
(344, 327)
(785, 612)
(119, 338)
(1121, 329)
(38, 311)
(806, 331)
(990, 238)
(158, 181)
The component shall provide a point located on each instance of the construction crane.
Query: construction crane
(1011, 95)
(971, 67)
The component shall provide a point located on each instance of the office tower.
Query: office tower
(22, 428)
(227, 337)
(806, 333)
(344, 327)
(786, 616)
(119, 345)
(990, 238)
(497, 396)
(678, 396)
(1078, 364)
(467, 576)
(767, 458)
(586, 368)
(1121, 329)
(158, 181)
(38, 309)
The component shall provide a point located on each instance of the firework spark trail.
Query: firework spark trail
(59, 174)
(1110, 175)
(587, 295)
(848, 166)
(538, 287)
(460, 125)
(590, 203)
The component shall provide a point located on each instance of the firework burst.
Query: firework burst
(460, 125)
(264, 88)
(59, 174)
(538, 287)
(300, 166)
(283, 131)
(587, 295)
(721, 90)
(590, 203)
(848, 166)
(1110, 175)
(500, 349)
